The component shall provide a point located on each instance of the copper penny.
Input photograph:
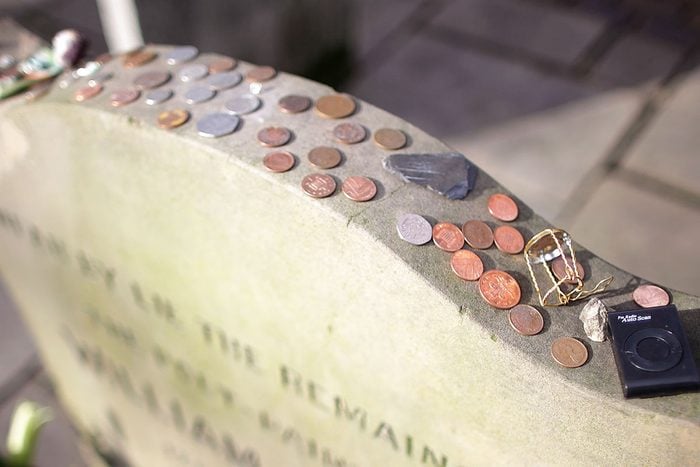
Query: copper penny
(389, 138)
(466, 265)
(279, 161)
(448, 237)
(325, 157)
(359, 188)
(318, 185)
(559, 270)
(349, 133)
(151, 79)
(138, 58)
(335, 106)
(294, 104)
(222, 64)
(173, 118)
(502, 207)
(508, 239)
(569, 352)
(499, 289)
(123, 97)
(88, 92)
(274, 136)
(478, 234)
(261, 74)
(526, 320)
(648, 296)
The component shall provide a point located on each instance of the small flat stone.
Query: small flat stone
(449, 174)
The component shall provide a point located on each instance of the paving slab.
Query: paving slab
(372, 21)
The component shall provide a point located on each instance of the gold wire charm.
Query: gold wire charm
(543, 248)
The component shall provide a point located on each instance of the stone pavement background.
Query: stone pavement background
(587, 110)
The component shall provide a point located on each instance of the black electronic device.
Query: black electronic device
(651, 351)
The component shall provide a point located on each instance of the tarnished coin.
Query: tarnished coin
(173, 118)
(261, 74)
(499, 289)
(199, 94)
(217, 124)
(243, 104)
(274, 136)
(151, 79)
(87, 92)
(335, 106)
(193, 72)
(222, 64)
(318, 185)
(502, 207)
(414, 229)
(359, 188)
(138, 58)
(123, 97)
(224, 80)
(349, 133)
(648, 296)
(158, 96)
(294, 104)
(526, 320)
(559, 270)
(467, 265)
(448, 237)
(508, 239)
(389, 138)
(181, 54)
(279, 161)
(569, 352)
(325, 157)
(477, 234)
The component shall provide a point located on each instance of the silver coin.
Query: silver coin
(151, 79)
(199, 94)
(414, 229)
(243, 104)
(225, 80)
(217, 124)
(100, 78)
(158, 96)
(193, 72)
(181, 54)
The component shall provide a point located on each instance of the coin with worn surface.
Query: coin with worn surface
(349, 133)
(325, 157)
(359, 188)
(158, 96)
(138, 58)
(648, 296)
(279, 161)
(335, 106)
(294, 104)
(243, 104)
(526, 320)
(448, 237)
(151, 79)
(477, 234)
(389, 138)
(569, 352)
(502, 207)
(193, 72)
(559, 270)
(414, 229)
(87, 92)
(199, 94)
(173, 118)
(123, 97)
(217, 124)
(467, 265)
(499, 289)
(261, 74)
(318, 185)
(181, 54)
(508, 239)
(224, 80)
(274, 136)
(222, 64)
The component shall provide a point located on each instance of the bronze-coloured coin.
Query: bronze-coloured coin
(87, 92)
(274, 136)
(335, 106)
(526, 320)
(173, 118)
(559, 270)
(466, 265)
(222, 64)
(318, 185)
(499, 289)
(502, 207)
(349, 133)
(359, 188)
(325, 157)
(648, 296)
(448, 237)
(569, 352)
(478, 234)
(261, 74)
(151, 79)
(508, 239)
(138, 58)
(279, 161)
(123, 97)
(390, 139)
(294, 104)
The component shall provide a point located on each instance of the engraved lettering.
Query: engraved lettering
(429, 454)
(342, 410)
(386, 432)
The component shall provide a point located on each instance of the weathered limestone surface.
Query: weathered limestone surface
(194, 309)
